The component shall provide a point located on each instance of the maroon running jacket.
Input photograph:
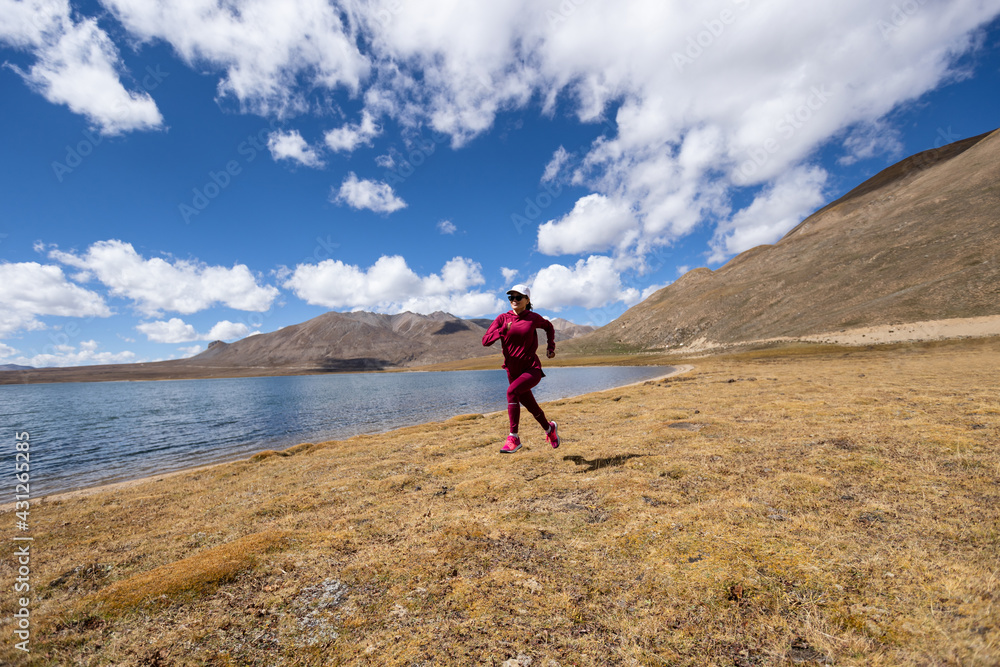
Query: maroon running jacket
(520, 343)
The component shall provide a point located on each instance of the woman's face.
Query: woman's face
(519, 304)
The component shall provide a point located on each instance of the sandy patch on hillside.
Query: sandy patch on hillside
(968, 327)
(965, 327)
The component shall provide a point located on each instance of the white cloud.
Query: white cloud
(266, 47)
(88, 353)
(772, 213)
(76, 64)
(449, 65)
(31, 290)
(555, 165)
(391, 286)
(176, 330)
(157, 285)
(447, 227)
(189, 351)
(291, 146)
(708, 102)
(226, 330)
(508, 274)
(350, 136)
(471, 304)
(6, 351)
(364, 194)
(709, 97)
(590, 283)
(596, 223)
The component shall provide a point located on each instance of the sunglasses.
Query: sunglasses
(514, 297)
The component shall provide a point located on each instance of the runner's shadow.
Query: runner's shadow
(597, 464)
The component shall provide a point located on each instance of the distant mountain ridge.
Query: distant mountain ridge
(364, 341)
(566, 330)
(352, 341)
(332, 342)
(918, 241)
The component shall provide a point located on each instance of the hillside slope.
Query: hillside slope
(918, 241)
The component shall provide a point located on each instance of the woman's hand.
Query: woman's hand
(551, 354)
(504, 329)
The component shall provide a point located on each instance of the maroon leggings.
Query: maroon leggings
(519, 393)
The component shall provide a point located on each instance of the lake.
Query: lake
(86, 434)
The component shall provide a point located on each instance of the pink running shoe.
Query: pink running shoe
(513, 444)
(553, 436)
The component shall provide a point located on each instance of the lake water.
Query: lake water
(85, 434)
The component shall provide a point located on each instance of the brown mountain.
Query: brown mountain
(352, 341)
(364, 341)
(565, 330)
(918, 241)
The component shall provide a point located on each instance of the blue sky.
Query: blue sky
(176, 173)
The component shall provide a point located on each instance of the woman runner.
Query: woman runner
(516, 331)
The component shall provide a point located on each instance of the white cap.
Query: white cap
(520, 289)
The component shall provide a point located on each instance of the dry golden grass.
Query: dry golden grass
(765, 508)
(195, 575)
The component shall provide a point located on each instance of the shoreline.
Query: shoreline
(129, 483)
(987, 326)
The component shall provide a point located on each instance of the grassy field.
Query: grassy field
(813, 506)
